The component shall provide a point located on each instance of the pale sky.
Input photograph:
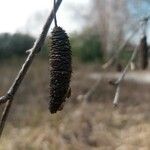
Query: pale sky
(18, 15)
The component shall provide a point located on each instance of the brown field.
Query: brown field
(80, 126)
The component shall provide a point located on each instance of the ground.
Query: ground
(92, 126)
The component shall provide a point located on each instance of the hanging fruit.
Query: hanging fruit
(60, 61)
(143, 53)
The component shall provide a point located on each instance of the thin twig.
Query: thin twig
(88, 95)
(18, 80)
(120, 79)
(5, 115)
(55, 18)
(115, 56)
(117, 95)
(117, 83)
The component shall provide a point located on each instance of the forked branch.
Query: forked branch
(117, 83)
(115, 56)
(32, 53)
(120, 49)
(88, 95)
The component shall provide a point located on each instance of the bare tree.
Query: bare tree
(113, 20)
(110, 19)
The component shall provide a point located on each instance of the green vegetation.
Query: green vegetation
(14, 45)
(86, 47)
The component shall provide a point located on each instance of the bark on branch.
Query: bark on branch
(18, 80)
(117, 83)
(120, 49)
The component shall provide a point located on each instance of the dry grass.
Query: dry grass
(93, 126)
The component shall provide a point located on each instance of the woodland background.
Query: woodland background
(94, 125)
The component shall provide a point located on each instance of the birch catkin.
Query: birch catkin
(143, 53)
(60, 68)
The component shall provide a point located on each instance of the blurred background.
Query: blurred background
(97, 29)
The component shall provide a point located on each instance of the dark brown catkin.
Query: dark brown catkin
(60, 68)
(143, 53)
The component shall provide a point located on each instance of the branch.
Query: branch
(120, 79)
(115, 56)
(117, 95)
(144, 20)
(117, 83)
(89, 94)
(32, 53)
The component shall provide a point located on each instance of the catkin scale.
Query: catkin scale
(143, 53)
(60, 68)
